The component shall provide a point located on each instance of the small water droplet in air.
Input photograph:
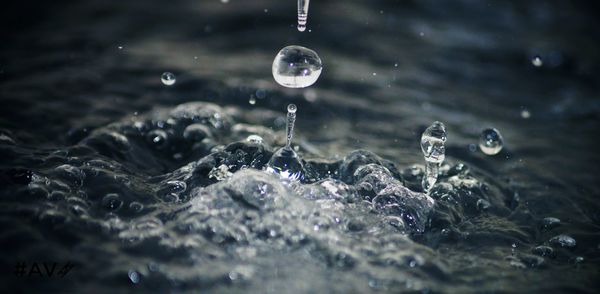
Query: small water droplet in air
(537, 61)
(525, 114)
(491, 141)
(296, 67)
(134, 276)
(168, 78)
(120, 47)
(252, 100)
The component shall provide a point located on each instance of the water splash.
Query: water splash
(285, 161)
(491, 141)
(434, 151)
(302, 14)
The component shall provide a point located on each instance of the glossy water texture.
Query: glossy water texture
(296, 67)
(155, 189)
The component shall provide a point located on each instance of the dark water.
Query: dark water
(97, 168)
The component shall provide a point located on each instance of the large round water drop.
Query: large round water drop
(491, 142)
(168, 79)
(296, 67)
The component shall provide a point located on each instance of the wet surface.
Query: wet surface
(159, 188)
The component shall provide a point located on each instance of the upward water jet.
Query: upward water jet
(434, 151)
(285, 162)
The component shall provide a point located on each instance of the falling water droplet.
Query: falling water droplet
(252, 100)
(168, 78)
(490, 141)
(296, 67)
(285, 161)
(434, 151)
(537, 61)
(302, 14)
(134, 276)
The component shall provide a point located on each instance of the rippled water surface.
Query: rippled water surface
(155, 188)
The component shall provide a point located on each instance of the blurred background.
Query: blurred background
(528, 68)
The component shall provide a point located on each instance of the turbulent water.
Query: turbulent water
(153, 188)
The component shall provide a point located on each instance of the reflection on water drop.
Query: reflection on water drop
(286, 163)
(158, 138)
(491, 141)
(296, 67)
(302, 14)
(168, 78)
(252, 100)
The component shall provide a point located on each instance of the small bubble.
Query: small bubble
(491, 141)
(136, 206)
(112, 201)
(168, 78)
(256, 139)
(296, 67)
(525, 114)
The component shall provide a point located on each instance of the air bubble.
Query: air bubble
(168, 79)
(491, 141)
(296, 67)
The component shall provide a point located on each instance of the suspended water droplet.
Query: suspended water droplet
(296, 67)
(168, 78)
(491, 141)
(537, 61)
(302, 14)
(434, 151)
(252, 100)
